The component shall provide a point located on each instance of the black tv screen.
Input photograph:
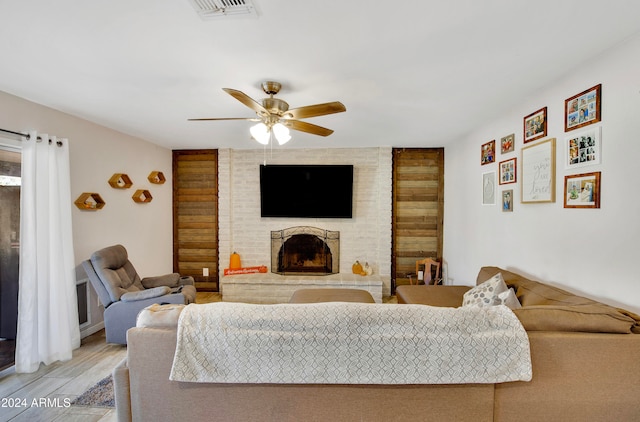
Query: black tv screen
(313, 191)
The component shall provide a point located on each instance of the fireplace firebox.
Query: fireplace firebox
(305, 250)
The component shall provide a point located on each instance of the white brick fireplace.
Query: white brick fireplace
(365, 237)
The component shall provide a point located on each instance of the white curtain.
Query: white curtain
(48, 328)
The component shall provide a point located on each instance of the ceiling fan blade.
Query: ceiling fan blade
(252, 119)
(315, 110)
(307, 127)
(246, 100)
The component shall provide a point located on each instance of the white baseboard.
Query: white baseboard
(91, 330)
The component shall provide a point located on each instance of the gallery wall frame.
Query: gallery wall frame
(507, 171)
(583, 109)
(507, 143)
(507, 200)
(535, 125)
(583, 148)
(489, 188)
(582, 190)
(538, 172)
(488, 152)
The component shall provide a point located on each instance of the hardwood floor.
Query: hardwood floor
(60, 381)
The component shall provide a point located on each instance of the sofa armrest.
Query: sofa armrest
(160, 316)
(120, 316)
(122, 391)
(145, 294)
(171, 280)
(186, 280)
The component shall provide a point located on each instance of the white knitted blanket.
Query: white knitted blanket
(349, 343)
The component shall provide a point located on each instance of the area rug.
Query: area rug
(100, 395)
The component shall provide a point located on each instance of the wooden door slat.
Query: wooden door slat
(195, 219)
(418, 206)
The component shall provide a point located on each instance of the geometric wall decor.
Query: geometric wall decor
(120, 181)
(142, 196)
(89, 201)
(157, 177)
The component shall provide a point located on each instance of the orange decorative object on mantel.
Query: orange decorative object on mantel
(356, 268)
(246, 270)
(234, 261)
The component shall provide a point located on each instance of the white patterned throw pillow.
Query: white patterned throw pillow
(509, 299)
(486, 294)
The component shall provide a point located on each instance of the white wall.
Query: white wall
(588, 251)
(96, 153)
(593, 252)
(365, 237)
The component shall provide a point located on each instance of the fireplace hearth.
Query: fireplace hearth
(305, 250)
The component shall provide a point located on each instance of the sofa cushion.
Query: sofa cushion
(548, 308)
(486, 293)
(331, 295)
(447, 296)
(583, 318)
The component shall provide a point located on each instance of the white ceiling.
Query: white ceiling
(410, 73)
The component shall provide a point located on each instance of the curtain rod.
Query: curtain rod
(26, 135)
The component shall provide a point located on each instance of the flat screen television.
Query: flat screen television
(311, 191)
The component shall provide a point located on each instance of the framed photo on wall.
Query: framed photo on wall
(583, 148)
(583, 109)
(507, 144)
(582, 190)
(538, 172)
(488, 152)
(507, 200)
(489, 188)
(535, 125)
(508, 171)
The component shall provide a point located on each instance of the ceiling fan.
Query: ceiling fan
(274, 115)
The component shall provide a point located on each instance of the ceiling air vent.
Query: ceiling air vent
(213, 9)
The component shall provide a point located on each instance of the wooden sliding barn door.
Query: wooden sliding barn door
(195, 216)
(418, 207)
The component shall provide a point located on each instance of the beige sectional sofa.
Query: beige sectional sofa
(584, 356)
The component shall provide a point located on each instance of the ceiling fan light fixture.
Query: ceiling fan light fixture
(282, 133)
(260, 133)
(275, 117)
